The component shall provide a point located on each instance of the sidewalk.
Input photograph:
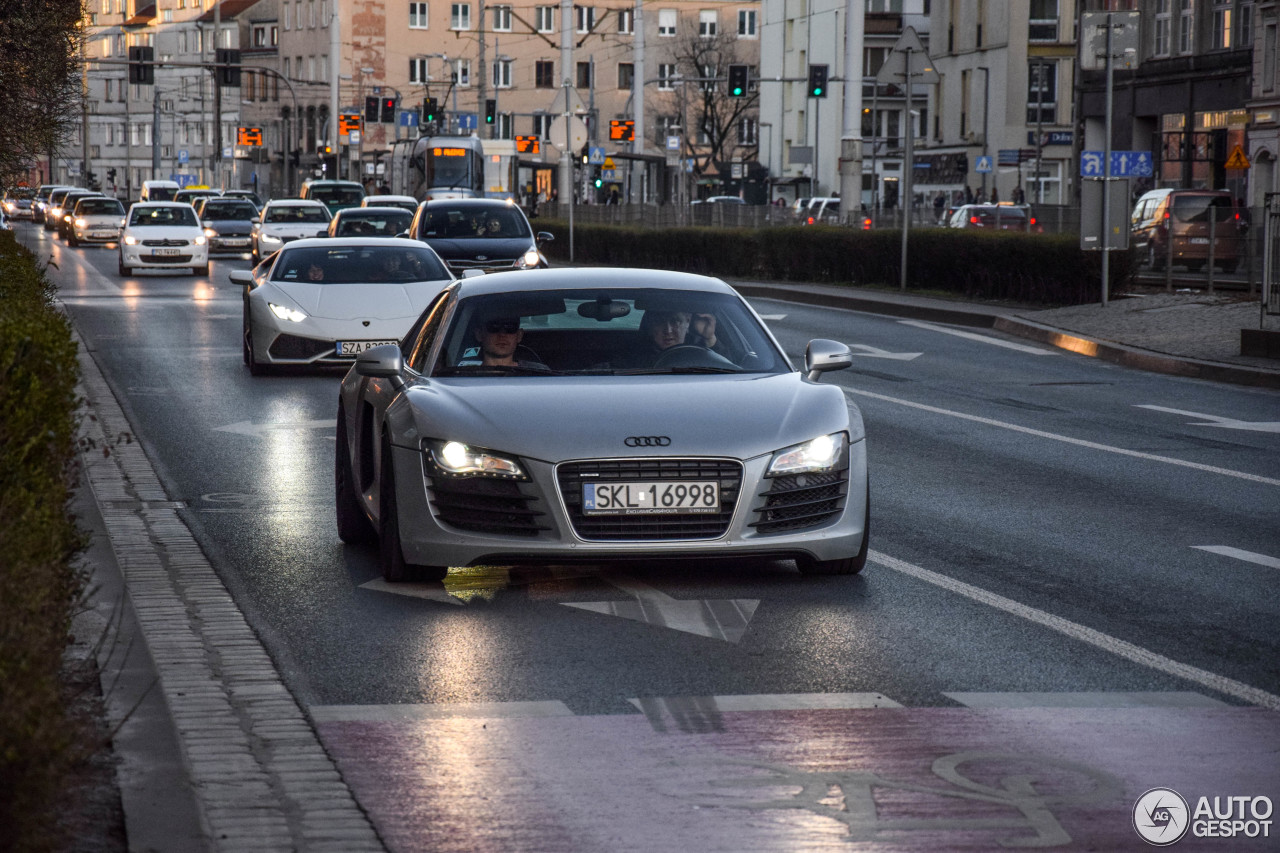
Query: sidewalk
(1193, 333)
(214, 752)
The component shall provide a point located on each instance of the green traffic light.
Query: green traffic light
(737, 91)
(817, 92)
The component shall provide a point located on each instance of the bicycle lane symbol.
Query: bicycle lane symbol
(849, 796)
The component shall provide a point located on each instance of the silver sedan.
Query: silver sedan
(598, 415)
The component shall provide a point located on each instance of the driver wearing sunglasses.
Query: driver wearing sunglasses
(499, 337)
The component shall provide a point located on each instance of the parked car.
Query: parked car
(284, 220)
(370, 222)
(68, 205)
(407, 202)
(228, 223)
(323, 302)
(1002, 216)
(96, 219)
(18, 203)
(163, 235)
(479, 233)
(822, 211)
(335, 195)
(1184, 220)
(447, 460)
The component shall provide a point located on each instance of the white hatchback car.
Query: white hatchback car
(163, 235)
(285, 220)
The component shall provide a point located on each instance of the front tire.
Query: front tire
(391, 555)
(204, 270)
(124, 270)
(250, 359)
(353, 525)
(72, 241)
(847, 565)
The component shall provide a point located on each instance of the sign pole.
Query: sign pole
(1106, 181)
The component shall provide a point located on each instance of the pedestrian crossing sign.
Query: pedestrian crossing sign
(1237, 160)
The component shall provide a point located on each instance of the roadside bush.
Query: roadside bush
(1000, 266)
(39, 588)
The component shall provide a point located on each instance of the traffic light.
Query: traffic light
(111, 176)
(490, 110)
(737, 81)
(228, 62)
(429, 107)
(388, 111)
(371, 109)
(141, 71)
(599, 178)
(817, 81)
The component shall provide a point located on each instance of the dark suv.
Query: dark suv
(479, 233)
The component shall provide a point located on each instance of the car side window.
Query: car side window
(417, 344)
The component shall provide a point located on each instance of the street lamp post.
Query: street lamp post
(986, 101)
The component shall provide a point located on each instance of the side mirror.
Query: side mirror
(545, 237)
(241, 277)
(822, 355)
(385, 362)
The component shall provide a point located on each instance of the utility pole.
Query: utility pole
(566, 66)
(335, 67)
(851, 97)
(481, 77)
(637, 88)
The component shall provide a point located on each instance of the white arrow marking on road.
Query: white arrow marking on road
(976, 337)
(724, 619)
(874, 352)
(253, 430)
(1216, 421)
(430, 591)
(1247, 556)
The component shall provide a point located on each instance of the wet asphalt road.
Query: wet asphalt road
(1008, 480)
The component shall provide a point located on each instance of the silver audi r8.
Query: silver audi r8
(597, 415)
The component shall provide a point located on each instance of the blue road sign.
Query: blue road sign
(983, 164)
(408, 118)
(183, 180)
(1092, 164)
(1131, 164)
(183, 155)
(595, 155)
(467, 121)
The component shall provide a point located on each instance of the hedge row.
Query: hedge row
(39, 588)
(1032, 268)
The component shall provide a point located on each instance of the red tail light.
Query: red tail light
(1033, 220)
(866, 224)
(810, 220)
(973, 220)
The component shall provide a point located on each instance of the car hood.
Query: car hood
(300, 229)
(355, 301)
(491, 248)
(559, 418)
(237, 225)
(165, 232)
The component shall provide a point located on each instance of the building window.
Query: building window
(1042, 93)
(666, 126)
(505, 126)
(872, 59)
(626, 75)
(1186, 26)
(1245, 36)
(666, 76)
(584, 75)
(285, 23)
(108, 83)
(502, 74)
(502, 19)
(626, 21)
(585, 17)
(748, 132)
(1043, 25)
(1162, 43)
(1222, 24)
(417, 16)
(1269, 33)
(746, 23)
(462, 72)
(545, 19)
(708, 23)
(418, 70)
(542, 125)
(667, 22)
(887, 6)
(544, 74)
(460, 16)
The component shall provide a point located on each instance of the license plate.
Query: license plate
(234, 242)
(165, 253)
(357, 347)
(103, 234)
(1199, 241)
(651, 498)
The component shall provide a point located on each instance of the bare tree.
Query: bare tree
(703, 99)
(41, 99)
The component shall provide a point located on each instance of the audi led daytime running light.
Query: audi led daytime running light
(458, 459)
(820, 454)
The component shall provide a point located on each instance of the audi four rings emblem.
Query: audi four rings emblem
(647, 441)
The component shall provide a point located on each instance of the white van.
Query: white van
(159, 190)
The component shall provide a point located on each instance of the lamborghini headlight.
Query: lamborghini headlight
(284, 312)
(819, 454)
(462, 460)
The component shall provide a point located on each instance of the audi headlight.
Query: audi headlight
(462, 460)
(130, 240)
(284, 312)
(529, 259)
(820, 454)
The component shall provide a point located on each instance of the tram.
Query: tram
(445, 167)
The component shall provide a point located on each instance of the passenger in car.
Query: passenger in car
(663, 329)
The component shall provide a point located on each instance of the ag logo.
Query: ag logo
(1161, 817)
(647, 441)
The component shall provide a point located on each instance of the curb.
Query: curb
(939, 313)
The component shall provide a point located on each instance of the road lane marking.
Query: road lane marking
(253, 430)
(1092, 445)
(429, 591)
(1089, 636)
(1171, 699)
(779, 701)
(1218, 421)
(725, 619)
(408, 713)
(974, 336)
(1247, 556)
(876, 352)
